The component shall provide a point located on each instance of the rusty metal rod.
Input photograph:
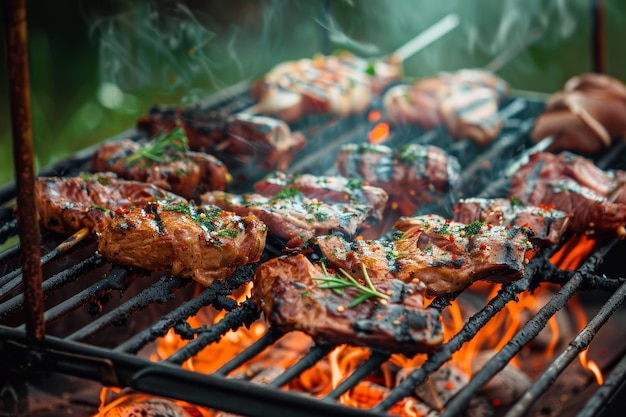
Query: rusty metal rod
(23, 155)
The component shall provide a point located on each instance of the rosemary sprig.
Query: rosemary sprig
(337, 282)
(175, 141)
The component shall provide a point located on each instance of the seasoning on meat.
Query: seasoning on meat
(592, 198)
(67, 204)
(290, 291)
(446, 256)
(204, 243)
(293, 217)
(547, 223)
(166, 162)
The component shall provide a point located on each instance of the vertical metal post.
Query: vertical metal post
(23, 156)
(598, 40)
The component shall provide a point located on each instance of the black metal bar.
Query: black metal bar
(582, 340)
(529, 331)
(160, 292)
(313, 356)
(245, 314)
(269, 338)
(53, 282)
(370, 365)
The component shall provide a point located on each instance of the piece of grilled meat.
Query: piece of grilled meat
(293, 217)
(67, 204)
(329, 189)
(204, 243)
(547, 223)
(586, 116)
(289, 291)
(446, 256)
(179, 170)
(592, 198)
(413, 175)
(465, 101)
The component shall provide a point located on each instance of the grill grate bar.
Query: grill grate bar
(57, 280)
(604, 393)
(158, 292)
(360, 373)
(579, 343)
(269, 338)
(314, 355)
(8, 230)
(530, 330)
(244, 314)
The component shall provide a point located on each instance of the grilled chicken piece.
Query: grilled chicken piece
(465, 101)
(68, 204)
(329, 189)
(293, 217)
(548, 224)
(204, 243)
(574, 185)
(288, 290)
(412, 175)
(338, 84)
(586, 116)
(446, 256)
(181, 171)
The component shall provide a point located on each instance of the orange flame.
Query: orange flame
(581, 320)
(572, 254)
(379, 133)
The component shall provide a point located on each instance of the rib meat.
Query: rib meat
(288, 291)
(446, 256)
(185, 173)
(548, 224)
(574, 185)
(204, 243)
(66, 204)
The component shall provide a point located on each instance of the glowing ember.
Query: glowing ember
(374, 116)
(379, 133)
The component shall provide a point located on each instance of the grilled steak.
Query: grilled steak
(412, 175)
(183, 172)
(67, 204)
(574, 185)
(291, 216)
(446, 256)
(586, 116)
(329, 189)
(548, 224)
(291, 295)
(204, 243)
(465, 101)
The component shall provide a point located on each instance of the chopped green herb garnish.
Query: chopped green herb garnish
(337, 282)
(473, 228)
(286, 193)
(172, 142)
(515, 201)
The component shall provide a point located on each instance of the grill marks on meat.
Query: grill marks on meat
(65, 205)
(287, 291)
(240, 138)
(413, 175)
(465, 101)
(586, 116)
(185, 173)
(338, 84)
(548, 224)
(293, 217)
(204, 243)
(330, 189)
(446, 256)
(574, 185)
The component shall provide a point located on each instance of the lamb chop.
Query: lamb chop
(67, 204)
(587, 116)
(548, 224)
(165, 162)
(295, 294)
(413, 175)
(446, 256)
(329, 189)
(592, 198)
(465, 101)
(293, 217)
(239, 138)
(204, 243)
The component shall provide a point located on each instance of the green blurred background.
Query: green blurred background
(97, 66)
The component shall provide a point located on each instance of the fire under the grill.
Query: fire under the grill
(106, 325)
